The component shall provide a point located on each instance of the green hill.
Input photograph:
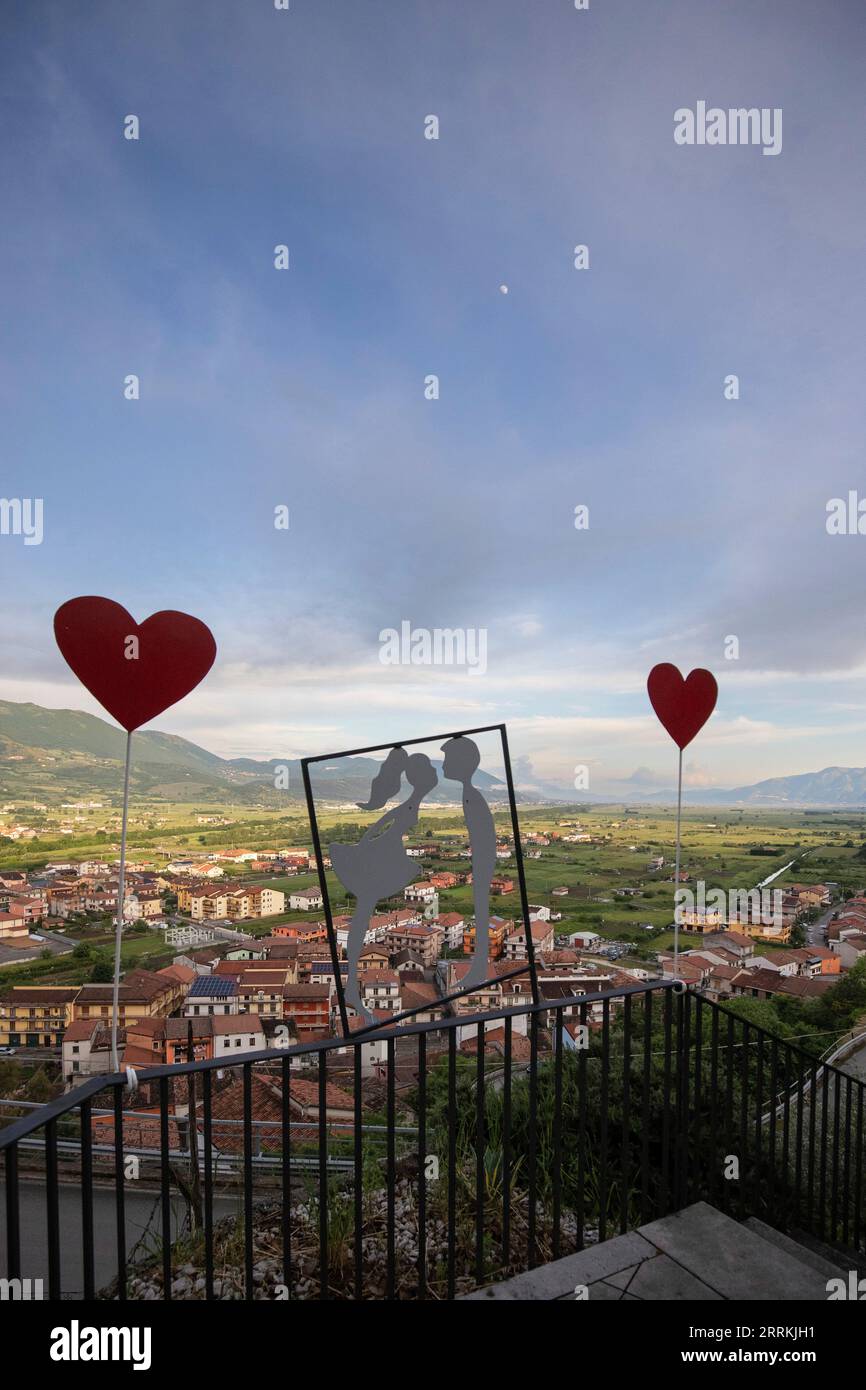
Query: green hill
(57, 755)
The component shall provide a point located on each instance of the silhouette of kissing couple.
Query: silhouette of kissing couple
(377, 866)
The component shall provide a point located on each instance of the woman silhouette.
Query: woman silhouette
(378, 865)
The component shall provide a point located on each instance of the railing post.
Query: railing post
(119, 1192)
(603, 1122)
(506, 1149)
(358, 1151)
(52, 1197)
(625, 1145)
(13, 1228)
(422, 1165)
(664, 1187)
(532, 1156)
(645, 1104)
(87, 1199)
(479, 1156)
(556, 1249)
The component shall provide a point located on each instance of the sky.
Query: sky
(305, 388)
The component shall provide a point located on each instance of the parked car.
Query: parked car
(7, 1051)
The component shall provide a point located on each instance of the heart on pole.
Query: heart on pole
(135, 670)
(683, 706)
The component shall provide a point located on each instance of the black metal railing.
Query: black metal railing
(428, 1159)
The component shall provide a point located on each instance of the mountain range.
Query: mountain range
(832, 787)
(65, 754)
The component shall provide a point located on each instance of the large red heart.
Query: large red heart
(134, 680)
(683, 706)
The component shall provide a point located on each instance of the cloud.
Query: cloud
(643, 777)
(602, 388)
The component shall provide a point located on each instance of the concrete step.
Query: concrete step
(695, 1254)
(793, 1247)
(841, 1257)
(733, 1260)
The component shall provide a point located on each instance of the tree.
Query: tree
(40, 1087)
(102, 972)
(10, 1077)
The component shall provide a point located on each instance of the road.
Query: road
(142, 1212)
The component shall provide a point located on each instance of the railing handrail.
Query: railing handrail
(667, 1121)
(56, 1109)
(812, 1062)
(63, 1105)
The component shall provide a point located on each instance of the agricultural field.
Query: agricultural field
(727, 849)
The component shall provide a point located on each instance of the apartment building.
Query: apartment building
(301, 931)
(424, 941)
(380, 989)
(420, 892)
(86, 1050)
(14, 927)
(36, 1015)
(452, 925)
(261, 992)
(497, 931)
(142, 995)
(306, 900)
(514, 944)
(309, 1008)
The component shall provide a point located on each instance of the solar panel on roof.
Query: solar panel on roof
(212, 985)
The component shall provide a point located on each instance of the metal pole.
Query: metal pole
(677, 867)
(115, 1000)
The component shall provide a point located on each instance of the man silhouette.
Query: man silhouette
(459, 765)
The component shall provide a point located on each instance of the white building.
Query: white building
(452, 924)
(380, 989)
(586, 939)
(306, 900)
(211, 995)
(420, 893)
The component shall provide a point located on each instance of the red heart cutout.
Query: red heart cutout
(683, 706)
(174, 653)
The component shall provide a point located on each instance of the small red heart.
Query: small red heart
(683, 706)
(134, 681)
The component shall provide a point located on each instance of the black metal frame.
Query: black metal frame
(530, 966)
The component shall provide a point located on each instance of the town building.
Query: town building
(36, 1015)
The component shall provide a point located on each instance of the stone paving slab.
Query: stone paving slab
(623, 1278)
(559, 1278)
(663, 1278)
(698, 1254)
(731, 1259)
